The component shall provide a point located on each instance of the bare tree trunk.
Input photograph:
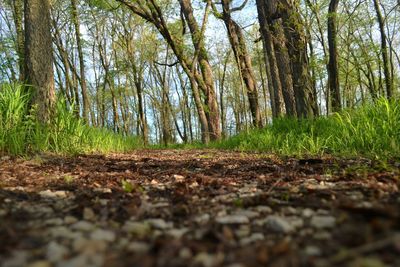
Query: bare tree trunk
(18, 15)
(333, 74)
(243, 60)
(384, 48)
(39, 57)
(85, 97)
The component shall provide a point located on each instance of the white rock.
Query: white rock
(88, 214)
(178, 178)
(232, 219)
(202, 219)
(248, 213)
(136, 228)
(177, 233)
(312, 251)
(103, 235)
(83, 226)
(53, 194)
(279, 224)
(160, 224)
(70, 219)
(251, 239)
(56, 252)
(54, 221)
(138, 247)
(307, 213)
(41, 263)
(208, 260)
(321, 222)
(263, 209)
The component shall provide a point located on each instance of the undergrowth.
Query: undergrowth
(372, 130)
(21, 133)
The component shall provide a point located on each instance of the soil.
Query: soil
(198, 208)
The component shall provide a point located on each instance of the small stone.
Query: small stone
(185, 253)
(248, 213)
(321, 222)
(307, 213)
(207, 260)
(70, 219)
(323, 236)
(233, 219)
(88, 214)
(138, 247)
(88, 246)
(136, 228)
(103, 190)
(202, 219)
(64, 232)
(83, 226)
(290, 211)
(53, 194)
(312, 251)
(56, 252)
(159, 224)
(251, 239)
(41, 263)
(296, 222)
(177, 233)
(243, 231)
(263, 209)
(103, 235)
(54, 221)
(178, 178)
(278, 224)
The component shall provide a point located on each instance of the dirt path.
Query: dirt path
(198, 208)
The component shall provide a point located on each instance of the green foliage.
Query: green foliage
(21, 133)
(373, 131)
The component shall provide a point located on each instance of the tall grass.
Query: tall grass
(21, 133)
(372, 130)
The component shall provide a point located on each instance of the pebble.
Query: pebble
(185, 253)
(251, 239)
(103, 235)
(138, 247)
(54, 221)
(70, 219)
(83, 245)
(41, 263)
(233, 219)
(64, 232)
(178, 178)
(247, 213)
(321, 222)
(207, 260)
(322, 236)
(279, 224)
(83, 226)
(136, 228)
(159, 224)
(88, 214)
(263, 209)
(177, 233)
(296, 222)
(53, 194)
(56, 252)
(307, 213)
(202, 219)
(312, 251)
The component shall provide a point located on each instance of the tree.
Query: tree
(333, 73)
(242, 56)
(39, 57)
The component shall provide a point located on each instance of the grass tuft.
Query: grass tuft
(21, 133)
(372, 130)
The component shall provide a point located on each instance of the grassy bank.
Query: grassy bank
(21, 133)
(372, 130)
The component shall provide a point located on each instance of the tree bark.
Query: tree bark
(39, 57)
(333, 73)
(384, 48)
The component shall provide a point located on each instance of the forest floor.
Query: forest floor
(198, 208)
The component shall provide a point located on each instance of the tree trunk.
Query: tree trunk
(384, 48)
(333, 73)
(85, 98)
(243, 60)
(39, 57)
(18, 15)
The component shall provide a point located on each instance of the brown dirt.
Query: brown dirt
(194, 192)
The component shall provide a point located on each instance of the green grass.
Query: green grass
(372, 131)
(21, 133)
